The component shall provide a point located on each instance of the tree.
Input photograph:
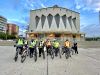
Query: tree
(6, 36)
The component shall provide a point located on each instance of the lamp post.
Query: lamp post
(99, 17)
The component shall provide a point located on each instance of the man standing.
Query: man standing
(75, 48)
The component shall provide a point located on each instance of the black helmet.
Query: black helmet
(66, 39)
(32, 40)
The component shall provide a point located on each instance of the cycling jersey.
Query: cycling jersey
(32, 44)
(20, 42)
(67, 44)
(56, 44)
(48, 43)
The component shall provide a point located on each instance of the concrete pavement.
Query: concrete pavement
(87, 62)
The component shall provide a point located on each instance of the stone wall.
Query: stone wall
(7, 43)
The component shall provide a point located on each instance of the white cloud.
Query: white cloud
(33, 4)
(43, 5)
(21, 31)
(78, 7)
(93, 5)
(91, 30)
(17, 20)
(97, 9)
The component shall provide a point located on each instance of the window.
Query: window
(57, 19)
(50, 18)
(43, 20)
(64, 20)
(37, 20)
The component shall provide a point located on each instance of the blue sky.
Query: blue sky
(17, 11)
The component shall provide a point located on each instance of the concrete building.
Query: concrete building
(3, 22)
(12, 29)
(55, 22)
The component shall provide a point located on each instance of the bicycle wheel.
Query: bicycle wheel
(52, 54)
(66, 55)
(56, 52)
(23, 57)
(43, 55)
(59, 53)
(35, 56)
(16, 55)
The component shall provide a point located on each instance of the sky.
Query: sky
(17, 11)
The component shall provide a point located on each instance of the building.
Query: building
(55, 22)
(12, 29)
(3, 22)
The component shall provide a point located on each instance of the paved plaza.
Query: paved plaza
(87, 62)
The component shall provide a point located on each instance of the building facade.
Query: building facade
(12, 29)
(3, 22)
(55, 22)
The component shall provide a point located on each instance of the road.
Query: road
(87, 62)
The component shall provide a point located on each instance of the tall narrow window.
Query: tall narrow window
(57, 19)
(50, 18)
(74, 22)
(43, 20)
(37, 20)
(64, 20)
(69, 19)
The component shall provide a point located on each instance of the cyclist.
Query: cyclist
(36, 41)
(67, 46)
(26, 46)
(32, 47)
(19, 48)
(20, 44)
(41, 47)
(48, 45)
(56, 46)
(26, 43)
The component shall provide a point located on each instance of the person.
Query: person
(56, 46)
(41, 47)
(48, 45)
(67, 43)
(67, 46)
(20, 44)
(26, 46)
(36, 41)
(26, 43)
(32, 47)
(75, 48)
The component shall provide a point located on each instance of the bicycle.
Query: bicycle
(72, 50)
(56, 51)
(24, 54)
(42, 51)
(66, 51)
(35, 54)
(51, 52)
(18, 51)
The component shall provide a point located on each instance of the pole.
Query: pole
(99, 17)
(47, 64)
